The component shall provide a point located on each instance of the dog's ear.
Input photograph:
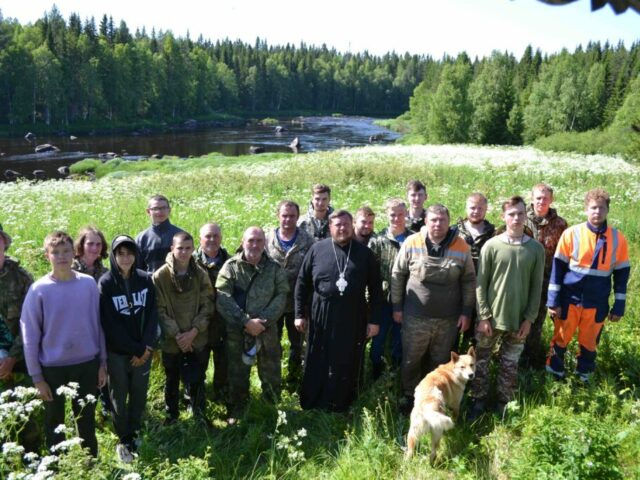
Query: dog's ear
(454, 357)
(472, 352)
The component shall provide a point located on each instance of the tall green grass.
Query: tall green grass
(552, 431)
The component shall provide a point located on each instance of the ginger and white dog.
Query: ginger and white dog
(439, 390)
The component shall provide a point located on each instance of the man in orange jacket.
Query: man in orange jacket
(588, 257)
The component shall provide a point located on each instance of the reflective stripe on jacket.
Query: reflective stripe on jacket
(583, 267)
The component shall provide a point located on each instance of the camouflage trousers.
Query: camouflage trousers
(269, 366)
(430, 338)
(508, 355)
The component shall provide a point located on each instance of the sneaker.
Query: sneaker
(478, 407)
(124, 455)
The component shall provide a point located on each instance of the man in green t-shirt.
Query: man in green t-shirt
(508, 292)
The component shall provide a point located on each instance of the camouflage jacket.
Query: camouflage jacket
(99, 269)
(547, 230)
(246, 291)
(183, 303)
(317, 229)
(14, 284)
(385, 247)
(290, 261)
(212, 269)
(475, 244)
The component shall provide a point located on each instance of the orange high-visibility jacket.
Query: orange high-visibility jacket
(585, 262)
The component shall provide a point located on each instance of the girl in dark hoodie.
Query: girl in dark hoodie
(130, 322)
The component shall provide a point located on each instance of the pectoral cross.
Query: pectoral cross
(341, 283)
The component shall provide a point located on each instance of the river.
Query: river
(314, 134)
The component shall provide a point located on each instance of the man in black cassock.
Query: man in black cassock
(331, 291)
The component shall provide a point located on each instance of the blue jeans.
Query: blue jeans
(378, 342)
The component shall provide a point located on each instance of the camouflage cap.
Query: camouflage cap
(6, 237)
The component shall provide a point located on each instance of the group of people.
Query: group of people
(419, 288)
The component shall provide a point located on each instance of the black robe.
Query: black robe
(338, 323)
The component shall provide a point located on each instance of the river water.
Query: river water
(314, 134)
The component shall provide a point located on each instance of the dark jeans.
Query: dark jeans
(194, 375)
(295, 340)
(86, 375)
(379, 341)
(128, 391)
(218, 349)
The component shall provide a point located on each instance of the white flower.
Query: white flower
(90, 398)
(302, 432)
(513, 406)
(282, 418)
(67, 391)
(61, 428)
(66, 444)
(12, 448)
(17, 476)
(30, 456)
(296, 456)
(131, 476)
(46, 461)
(20, 392)
(42, 475)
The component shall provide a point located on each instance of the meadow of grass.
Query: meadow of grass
(552, 430)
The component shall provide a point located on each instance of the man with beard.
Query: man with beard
(363, 225)
(331, 285)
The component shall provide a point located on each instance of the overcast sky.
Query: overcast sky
(430, 27)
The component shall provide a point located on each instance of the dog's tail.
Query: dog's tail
(438, 423)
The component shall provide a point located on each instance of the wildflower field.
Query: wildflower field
(552, 430)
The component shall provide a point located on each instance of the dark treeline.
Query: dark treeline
(503, 100)
(59, 72)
